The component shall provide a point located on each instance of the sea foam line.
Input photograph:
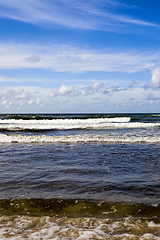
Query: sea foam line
(72, 121)
(97, 123)
(31, 227)
(71, 124)
(5, 138)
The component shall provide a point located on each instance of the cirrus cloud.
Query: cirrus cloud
(91, 14)
(65, 58)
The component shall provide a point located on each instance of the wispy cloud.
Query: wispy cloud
(63, 58)
(150, 96)
(99, 15)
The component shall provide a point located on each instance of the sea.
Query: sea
(80, 176)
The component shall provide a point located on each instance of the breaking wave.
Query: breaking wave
(5, 138)
(69, 124)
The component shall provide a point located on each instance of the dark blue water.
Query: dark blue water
(106, 172)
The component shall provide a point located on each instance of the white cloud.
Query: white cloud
(80, 99)
(150, 96)
(63, 58)
(4, 102)
(155, 80)
(98, 85)
(66, 90)
(17, 96)
(33, 58)
(53, 93)
(75, 14)
(30, 102)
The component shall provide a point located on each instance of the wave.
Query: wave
(77, 208)
(88, 120)
(59, 116)
(85, 138)
(155, 115)
(69, 124)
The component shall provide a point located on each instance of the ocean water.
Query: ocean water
(80, 176)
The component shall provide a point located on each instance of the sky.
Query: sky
(70, 56)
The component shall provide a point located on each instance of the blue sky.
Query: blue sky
(79, 56)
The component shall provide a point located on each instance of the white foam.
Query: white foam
(30, 227)
(153, 225)
(85, 138)
(89, 120)
(149, 236)
(94, 123)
